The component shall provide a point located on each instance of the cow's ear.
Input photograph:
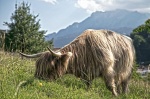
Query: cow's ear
(65, 59)
(66, 56)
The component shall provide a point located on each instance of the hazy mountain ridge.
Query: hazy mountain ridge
(121, 21)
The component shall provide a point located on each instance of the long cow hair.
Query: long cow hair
(92, 54)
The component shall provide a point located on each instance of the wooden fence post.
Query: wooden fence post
(2, 39)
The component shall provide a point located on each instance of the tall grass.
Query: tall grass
(17, 82)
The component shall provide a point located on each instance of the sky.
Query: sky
(58, 14)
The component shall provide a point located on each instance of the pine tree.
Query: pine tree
(24, 31)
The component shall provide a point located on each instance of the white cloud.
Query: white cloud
(104, 5)
(51, 1)
(89, 5)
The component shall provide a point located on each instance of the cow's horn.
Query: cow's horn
(54, 53)
(31, 56)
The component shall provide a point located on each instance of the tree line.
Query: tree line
(24, 34)
(141, 41)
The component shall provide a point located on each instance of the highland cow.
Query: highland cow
(92, 54)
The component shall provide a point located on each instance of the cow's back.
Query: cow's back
(95, 50)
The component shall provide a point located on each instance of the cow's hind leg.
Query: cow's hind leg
(125, 85)
(119, 89)
(125, 88)
(110, 81)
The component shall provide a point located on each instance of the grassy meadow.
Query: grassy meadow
(17, 82)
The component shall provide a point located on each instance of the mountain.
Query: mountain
(121, 21)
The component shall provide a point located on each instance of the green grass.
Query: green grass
(17, 82)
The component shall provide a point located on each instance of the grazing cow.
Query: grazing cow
(92, 54)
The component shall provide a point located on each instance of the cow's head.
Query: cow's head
(51, 65)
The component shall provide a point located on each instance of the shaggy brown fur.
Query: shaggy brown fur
(92, 54)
